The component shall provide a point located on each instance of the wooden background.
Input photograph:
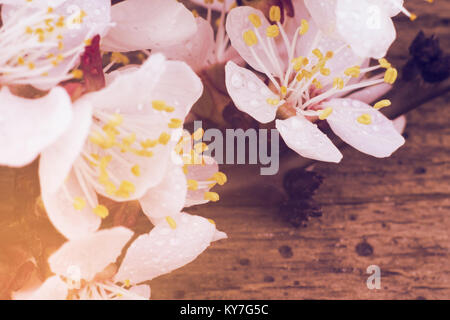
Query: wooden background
(394, 213)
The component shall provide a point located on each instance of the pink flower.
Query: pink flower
(83, 269)
(205, 48)
(307, 79)
(187, 182)
(119, 143)
(143, 24)
(39, 46)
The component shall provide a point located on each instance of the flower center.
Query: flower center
(32, 44)
(307, 81)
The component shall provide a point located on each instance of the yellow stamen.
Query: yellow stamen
(275, 13)
(325, 113)
(365, 119)
(136, 170)
(304, 27)
(382, 104)
(171, 222)
(192, 185)
(250, 38)
(79, 203)
(101, 211)
(211, 196)
(255, 20)
(272, 31)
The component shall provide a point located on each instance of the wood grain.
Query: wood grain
(394, 213)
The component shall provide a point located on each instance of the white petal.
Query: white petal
(56, 161)
(96, 21)
(141, 292)
(237, 24)
(249, 93)
(216, 5)
(165, 249)
(27, 126)
(371, 94)
(391, 7)
(52, 289)
(197, 50)
(60, 208)
(365, 27)
(143, 24)
(379, 139)
(323, 13)
(168, 197)
(90, 255)
(400, 124)
(307, 140)
(34, 3)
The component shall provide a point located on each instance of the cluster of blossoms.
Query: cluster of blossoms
(119, 135)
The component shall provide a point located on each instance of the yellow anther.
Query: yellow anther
(250, 38)
(338, 83)
(384, 63)
(272, 31)
(60, 23)
(116, 120)
(220, 178)
(164, 138)
(29, 30)
(273, 102)
(195, 13)
(299, 62)
(149, 143)
(129, 140)
(79, 203)
(255, 20)
(211, 196)
(127, 283)
(136, 170)
(158, 105)
(275, 14)
(304, 74)
(77, 74)
(198, 134)
(317, 84)
(87, 42)
(283, 90)
(101, 211)
(118, 57)
(60, 45)
(192, 185)
(325, 71)
(365, 119)
(31, 66)
(171, 222)
(325, 113)
(329, 55)
(413, 17)
(21, 61)
(390, 76)
(353, 72)
(125, 189)
(175, 123)
(200, 147)
(304, 27)
(212, 221)
(318, 53)
(382, 104)
(49, 10)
